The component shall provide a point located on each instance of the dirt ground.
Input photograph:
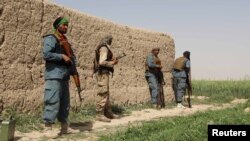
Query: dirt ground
(91, 129)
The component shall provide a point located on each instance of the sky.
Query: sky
(216, 32)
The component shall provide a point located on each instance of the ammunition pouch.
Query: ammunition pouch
(62, 63)
(177, 70)
(102, 69)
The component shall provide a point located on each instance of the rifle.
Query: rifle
(68, 50)
(189, 88)
(161, 82)
(77, 82)
(120, 56)
(96, 63)
(117, 58)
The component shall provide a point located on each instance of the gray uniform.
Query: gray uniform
(57, 75)
(180, 82)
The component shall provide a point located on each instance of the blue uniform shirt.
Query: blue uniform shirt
(151, 63)
(55, 67)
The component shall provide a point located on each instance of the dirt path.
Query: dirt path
(90, 129)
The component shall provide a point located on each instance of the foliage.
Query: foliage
(221, 91)
(176, 128)
(188, 128)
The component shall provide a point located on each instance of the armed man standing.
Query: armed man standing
(105, 61)
(181, 78)
(154, 77)
(60, 64)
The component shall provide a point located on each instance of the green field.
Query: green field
(194, 127)
(179, 128)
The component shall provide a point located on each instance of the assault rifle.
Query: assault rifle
(117, 58)
(161, 82)
(67, 48)
(189, 88)
(96, 64)
(120, 56)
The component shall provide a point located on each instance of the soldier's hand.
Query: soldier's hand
(66, 59)
(115, 61)
(113, 58)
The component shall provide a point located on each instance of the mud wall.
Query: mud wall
(24, 22)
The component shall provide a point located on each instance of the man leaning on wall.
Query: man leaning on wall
(154, 77)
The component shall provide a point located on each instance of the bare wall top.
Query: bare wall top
(23, 23)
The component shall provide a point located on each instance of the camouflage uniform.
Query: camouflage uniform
(104, 58)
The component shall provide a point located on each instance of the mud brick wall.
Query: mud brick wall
(24, 22)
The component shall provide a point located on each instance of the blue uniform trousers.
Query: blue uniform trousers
(179, 85)
(56, 100)
(153, 87)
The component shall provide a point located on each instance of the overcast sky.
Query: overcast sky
(216, 32)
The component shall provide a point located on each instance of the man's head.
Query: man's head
(186, 54)
(61, 25)
(155, 51)
(107, 40)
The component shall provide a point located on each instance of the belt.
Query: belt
(177, 70)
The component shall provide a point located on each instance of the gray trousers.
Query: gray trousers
(56, 101)
(179, 86)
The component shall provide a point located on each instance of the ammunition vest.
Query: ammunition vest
(157, 61)
(99, 68)
(58, 49)
(179, 63)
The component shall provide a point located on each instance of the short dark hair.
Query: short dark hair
(156, 48)
(186, 53)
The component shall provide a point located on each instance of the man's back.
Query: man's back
(180, 65)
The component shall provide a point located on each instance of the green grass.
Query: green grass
(24, 122)
(188, 128)
(86, 113)
(193, 128)
(216, 91)
(29, 122)
(221, 91)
